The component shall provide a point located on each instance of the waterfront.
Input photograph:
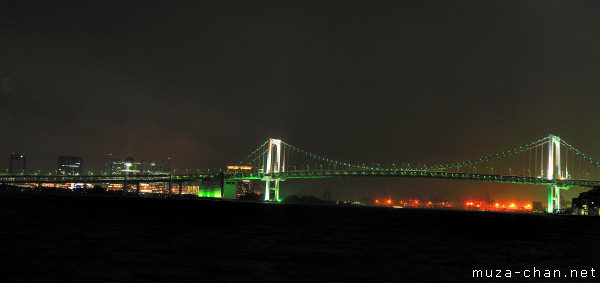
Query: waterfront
(57, 238)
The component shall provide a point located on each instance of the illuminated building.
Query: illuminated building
(244, 188)
(114, 187)
(114, 165)
(588, 203)
(158, 167)
(129, 166)
(69, 165)
(233, 189)
(117, 166)
(18, 163)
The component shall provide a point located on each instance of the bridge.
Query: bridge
(550, 162)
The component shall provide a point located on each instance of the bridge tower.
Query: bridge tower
(275, 164)
(554, 172)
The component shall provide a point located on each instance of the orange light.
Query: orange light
(231, 167)
(376, 201)
(389, 201)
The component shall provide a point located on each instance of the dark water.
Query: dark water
(58, 238)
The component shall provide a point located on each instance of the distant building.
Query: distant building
(129, 166)
(587, 203)
(118, 166)
(18, 163)
(159, 167)
(154, 167)
(114, 165)
(244, 188)
(70, 165)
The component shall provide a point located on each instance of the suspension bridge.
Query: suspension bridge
(549, 162)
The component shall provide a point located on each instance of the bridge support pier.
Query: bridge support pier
(554, 198)
(268, 189)
(554, 172)
(276, 189)
(170, 185)
(125, 185)
(275, 164)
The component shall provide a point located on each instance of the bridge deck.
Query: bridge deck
(420, 174)
(298, 175)
(103, 178)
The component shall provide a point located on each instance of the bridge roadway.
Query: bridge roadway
(93, 179)
(564, 183)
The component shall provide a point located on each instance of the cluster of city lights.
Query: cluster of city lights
(470, 205)
(496, 206)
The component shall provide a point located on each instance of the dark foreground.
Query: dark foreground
(58, 238)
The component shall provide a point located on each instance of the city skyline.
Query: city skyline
(524, 165)
(386, 82)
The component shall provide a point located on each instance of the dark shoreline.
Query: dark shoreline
(65, 237)
(218, 200)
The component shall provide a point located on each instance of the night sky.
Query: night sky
(206, 82)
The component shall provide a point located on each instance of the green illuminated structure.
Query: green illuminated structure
(536, 163)
(210, 193)
(270, 159)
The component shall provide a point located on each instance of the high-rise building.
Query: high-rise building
(160, 167)
(70, 165)
(114, 165)
(118, 166)
(18, 163)
(130, 166)
(156, 167)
